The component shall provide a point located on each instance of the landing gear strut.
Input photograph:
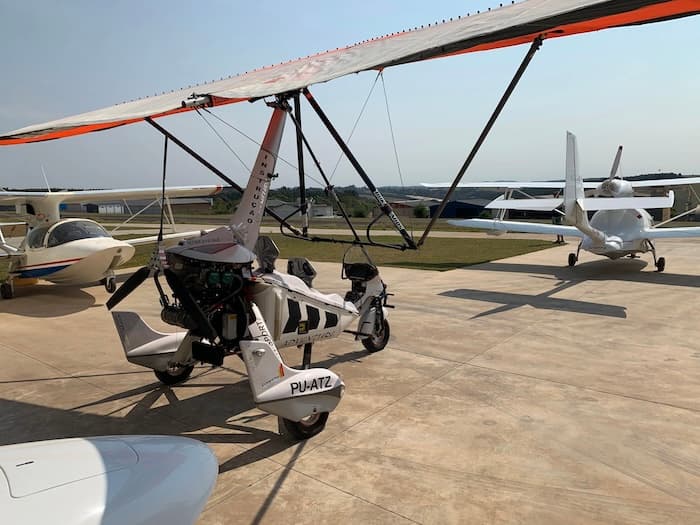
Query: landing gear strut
(110, 283)
(573, 257)
(660, 263)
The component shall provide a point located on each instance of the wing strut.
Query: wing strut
(536, 43)
(383, 204)
(216, 171)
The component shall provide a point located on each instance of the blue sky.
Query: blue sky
(635, 86)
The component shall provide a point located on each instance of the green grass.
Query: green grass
(436, 254)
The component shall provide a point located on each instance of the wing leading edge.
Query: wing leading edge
(507, 26)
(517, 226)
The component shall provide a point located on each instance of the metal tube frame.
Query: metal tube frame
(536, 44)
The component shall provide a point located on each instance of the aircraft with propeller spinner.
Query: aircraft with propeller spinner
(620, 226)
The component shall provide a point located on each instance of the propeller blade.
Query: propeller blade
(616, 164)
(206, 330)
(133, 282)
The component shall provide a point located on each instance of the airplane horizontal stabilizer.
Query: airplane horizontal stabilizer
(518, 226)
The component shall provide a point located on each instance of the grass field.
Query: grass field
(436, 254)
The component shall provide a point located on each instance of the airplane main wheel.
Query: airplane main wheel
(172, 377)
(7, 291)
(307, 427)
(110, 284)
(378, 341)
(661, 264)
(572, 259)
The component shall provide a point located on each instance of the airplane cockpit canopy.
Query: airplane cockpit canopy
(64, 232)
(35, 237)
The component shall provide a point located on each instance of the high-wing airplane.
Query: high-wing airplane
(225, 305)
(620, 226)
(73, 251)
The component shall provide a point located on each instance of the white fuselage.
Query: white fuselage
(56, 254)
(139, 480)
(624, 233)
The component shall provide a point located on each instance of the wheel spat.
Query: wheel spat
(205, 328)
(133, 282)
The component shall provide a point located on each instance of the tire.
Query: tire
(171, 378)
(572, 259)
(111, 285)
(307, 427)
(375, 343)
(6, 291)
(661, 264)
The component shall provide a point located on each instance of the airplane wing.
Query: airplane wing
(518, 226)
(167, 237)
(107, 195)
(678, 181)
(672, 233)
(510, 184)
(590, 204)
(511, 25)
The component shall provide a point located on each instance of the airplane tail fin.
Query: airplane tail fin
(573, 188)
(574, 196)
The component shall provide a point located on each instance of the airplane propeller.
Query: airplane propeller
(155, 265)
(133, 282)
(616, 164)
(610, 187)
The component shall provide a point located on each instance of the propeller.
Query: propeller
(133, 282)
(155, 265)
(616, 163)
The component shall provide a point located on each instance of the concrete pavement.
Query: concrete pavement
(515, 391)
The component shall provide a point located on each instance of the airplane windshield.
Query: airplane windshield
(74, 231)
(35, 237)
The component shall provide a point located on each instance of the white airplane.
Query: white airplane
(73, 251)
(139, 480)
(620, 226)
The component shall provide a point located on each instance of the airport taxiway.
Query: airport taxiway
(518, 391)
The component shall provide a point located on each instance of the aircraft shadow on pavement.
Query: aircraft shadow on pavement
(47, 301)
(602, 270)
(216, 413)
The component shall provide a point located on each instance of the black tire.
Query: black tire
(110, 284)
(377, 342)
(661, 264)
(572, 259)
(307, 427)
(171, 378)
(6, 291)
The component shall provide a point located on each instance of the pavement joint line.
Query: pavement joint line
(587, 388)
(526, 485)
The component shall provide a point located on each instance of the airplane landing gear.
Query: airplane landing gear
(307, 427)
(379, 339)
(110, 283)
(572, 259)
(7, 290)
(661, 264)
(175, 375)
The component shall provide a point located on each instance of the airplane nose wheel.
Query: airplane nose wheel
(110, 284)
(572, 259)
(307, 427)
(7, 291)
(661, 264)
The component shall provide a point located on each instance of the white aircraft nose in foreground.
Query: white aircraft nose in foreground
(139, 480)
(620, 225)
